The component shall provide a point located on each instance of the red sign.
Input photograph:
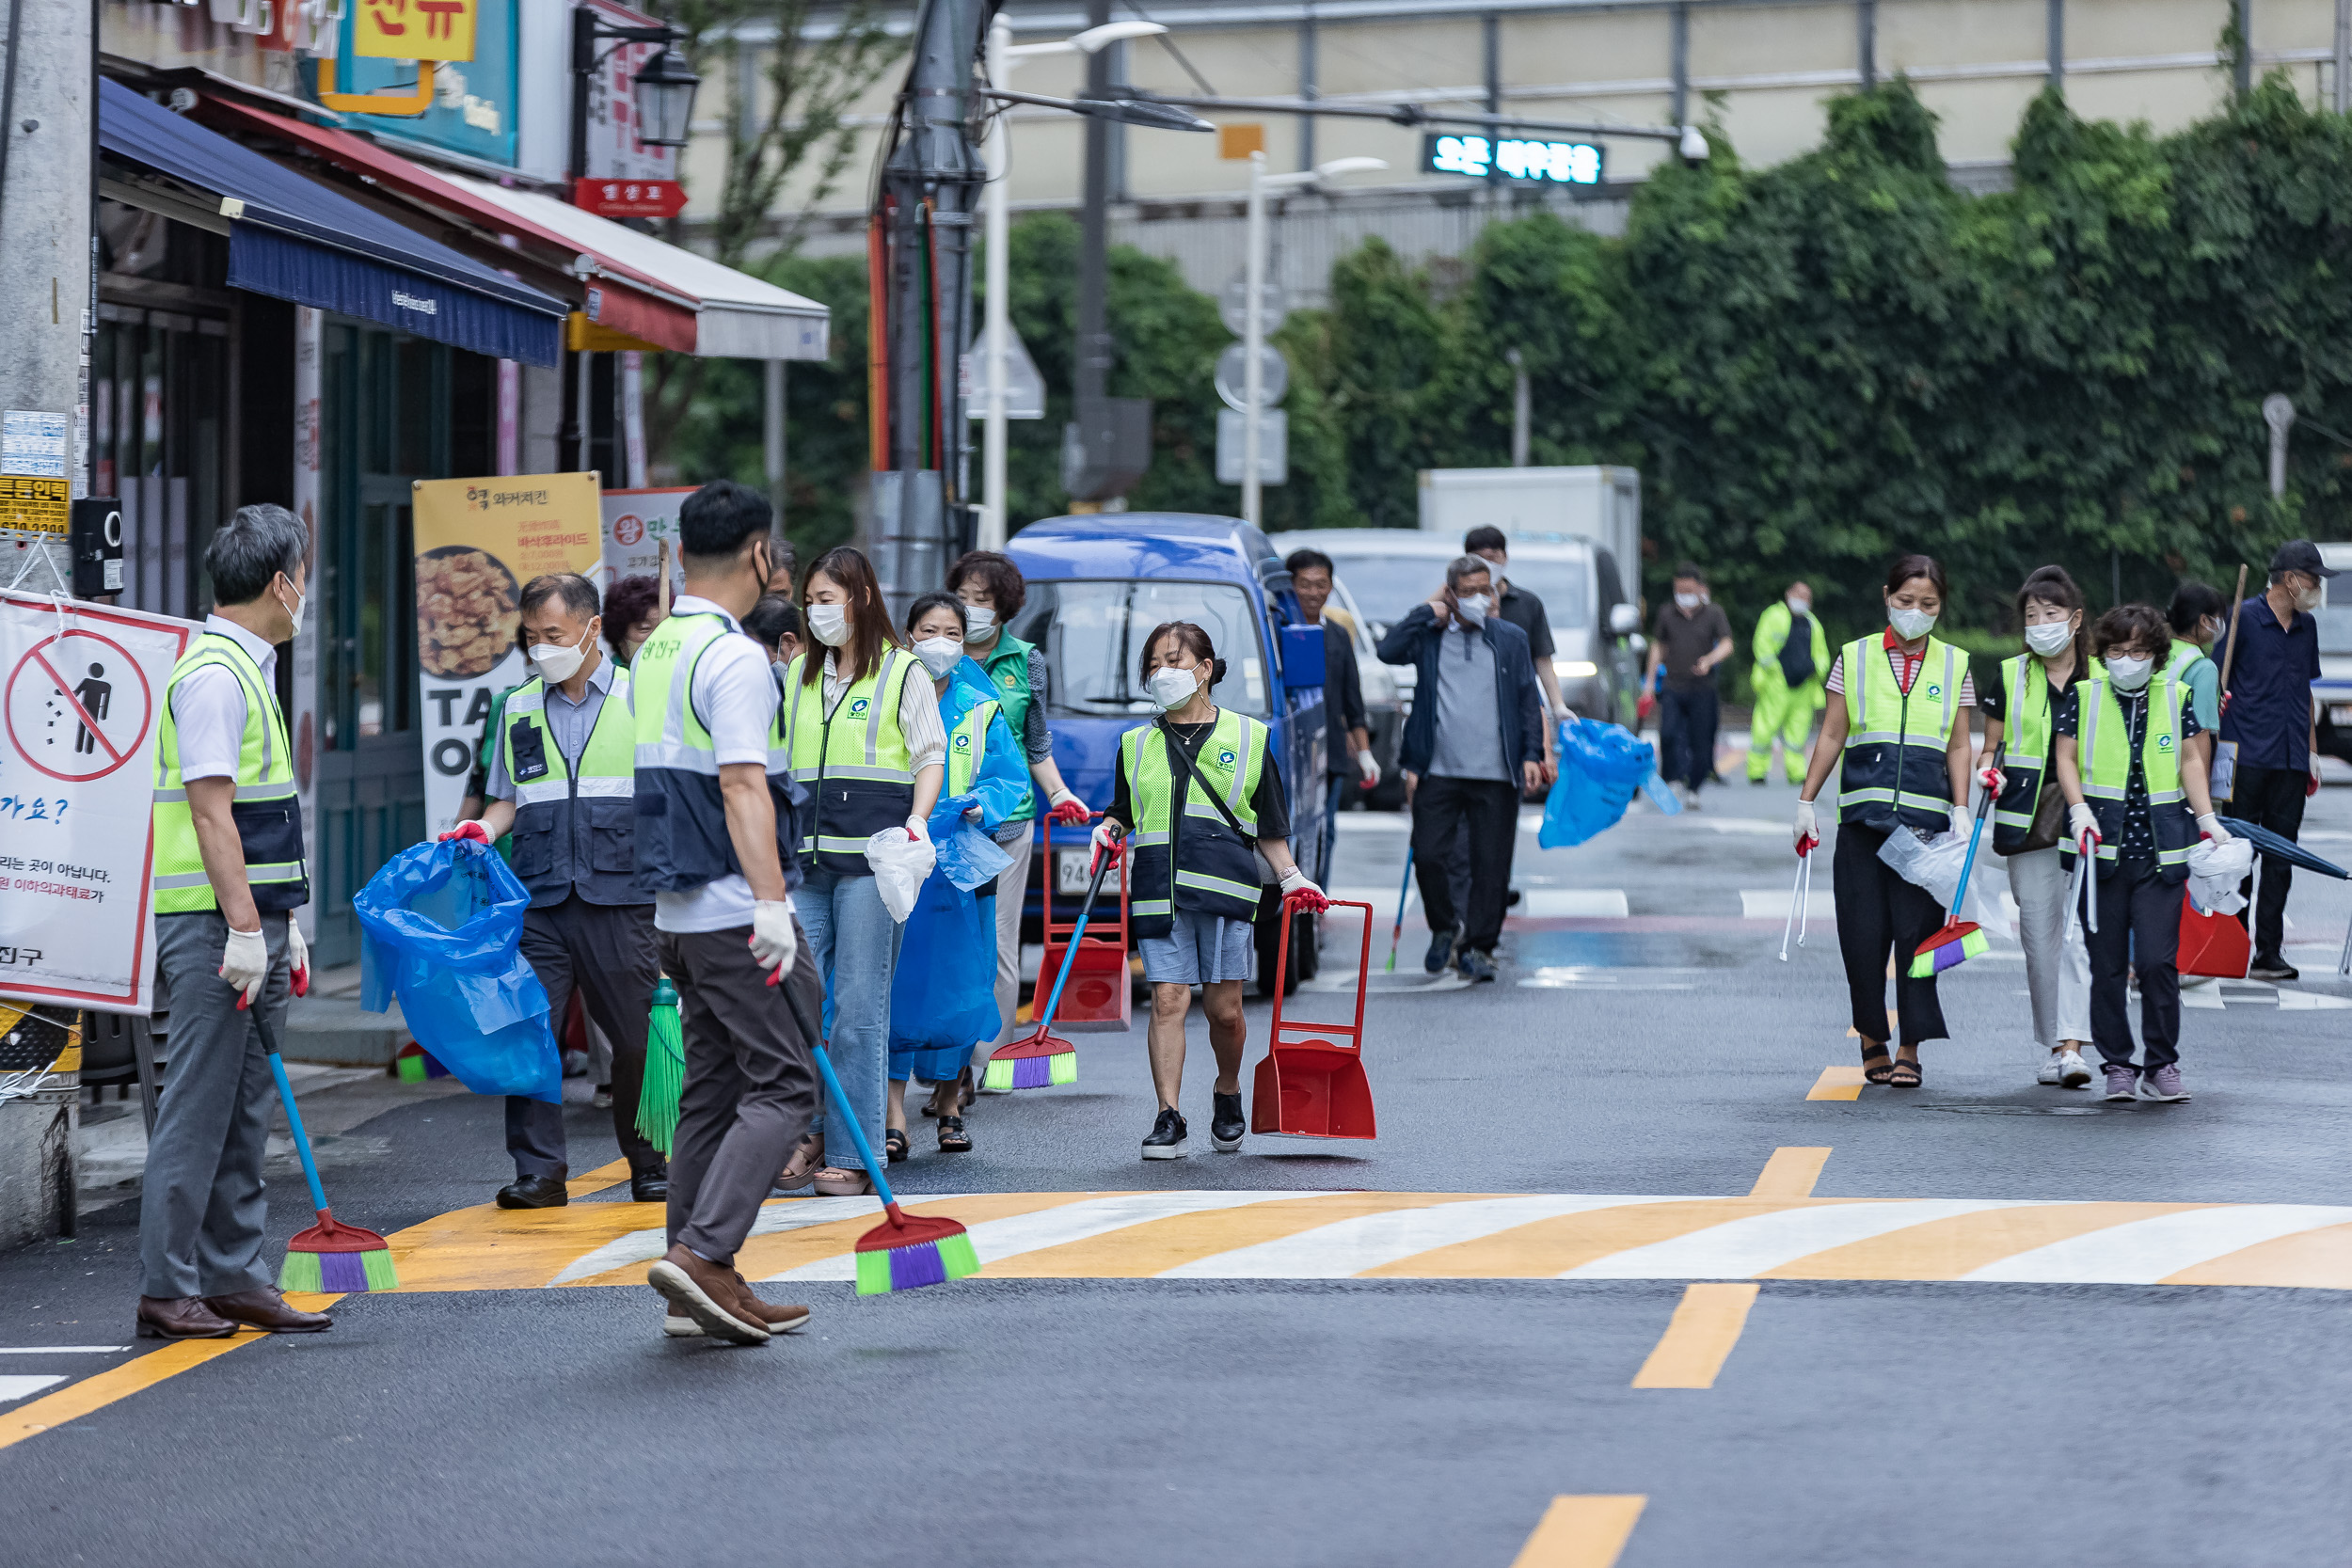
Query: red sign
(630, 198)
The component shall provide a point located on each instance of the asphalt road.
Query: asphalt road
(1407, 1386)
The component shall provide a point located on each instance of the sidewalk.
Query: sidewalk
(327, 1025)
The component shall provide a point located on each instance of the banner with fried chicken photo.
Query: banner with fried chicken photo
(478, 542)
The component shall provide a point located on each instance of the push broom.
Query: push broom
(1396, 932)
(904, 1252)
(1960, 940)
(330, 1255)
(1040, 1060)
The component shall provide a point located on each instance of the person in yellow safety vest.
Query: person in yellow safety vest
(2029, 816)
(564, 781)
(1792, 663)
(229, 871)
(1899, 741)
(2200, 614)
(860, 730)
(2136, 800)
(1199, 801)
(983, 760)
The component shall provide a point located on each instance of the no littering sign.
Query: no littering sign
(79, 706)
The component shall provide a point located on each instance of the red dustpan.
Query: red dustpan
(1312, 1083)
(2214, 943)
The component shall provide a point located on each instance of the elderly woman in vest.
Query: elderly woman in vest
(860, 727)
(1897, 729)
(2136, 800)
(1198, 798)
(984, 761)
(2030, 815)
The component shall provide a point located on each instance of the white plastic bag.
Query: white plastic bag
(900, 862)
(2215, 871)
(1934, 864)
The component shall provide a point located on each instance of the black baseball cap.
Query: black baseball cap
(2299, 555)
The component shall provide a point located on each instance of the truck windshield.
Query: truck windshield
(1386, 586)
(1092, 634)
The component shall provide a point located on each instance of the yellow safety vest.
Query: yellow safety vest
(1892, 770)
(1199, 862)
(852, 761)
(267, 812)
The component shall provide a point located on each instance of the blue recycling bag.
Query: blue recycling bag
(943, 999)
(440, 929)
(1600, 768)
(968, 857)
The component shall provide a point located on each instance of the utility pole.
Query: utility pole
(1093, 357)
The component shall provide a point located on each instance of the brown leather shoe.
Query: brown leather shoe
(263, 1307)
(181, 1318)
(779, 1318)
(705, 1292)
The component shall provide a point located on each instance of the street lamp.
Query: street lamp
(1003, 54)
(663, 89)
(1253, 310)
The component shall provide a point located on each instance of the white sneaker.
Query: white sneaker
(2049, 1074)
(2073, 1072)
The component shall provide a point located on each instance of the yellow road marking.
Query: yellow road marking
(1547, 1247)
(599, 1180)
(1705, 1325)
(102, 1388)
(764, 1257)
(2321, 1258)
(1154, 1246)
(1581, 1532)
(1838, 1083)
(1949, 1248)
(1790, 1173)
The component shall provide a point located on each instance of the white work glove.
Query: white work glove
(2210, 823)
(245, 963)
(1806, 829)
(918, 830)
(1959, 820)
(1369, 766)
(774, 943)
(1300, 894)
(2082, 822)
(297, 957)
(1108, 839)
(2312, 788)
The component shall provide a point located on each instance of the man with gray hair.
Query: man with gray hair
(1475, 740)
(229, 869)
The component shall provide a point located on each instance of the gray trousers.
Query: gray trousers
(751, 1085)
(604, 951)
(202, 1209)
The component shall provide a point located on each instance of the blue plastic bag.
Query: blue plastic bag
(944, 995)
(968, 857)
(1600, 768)
(440, 928)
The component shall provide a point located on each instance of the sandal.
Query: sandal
(807, 1157)
(953, 1139)
(895, 1144)
(1877, 1066)
(1907, 1075)
(834, 1183)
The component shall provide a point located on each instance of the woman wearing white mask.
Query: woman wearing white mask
(1193, 889)
(1897, 729)
(982, 761)
(2136, 801)
(861, 727)
(2030, 815)
(992, 592)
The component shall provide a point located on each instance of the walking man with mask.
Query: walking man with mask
(563, 779)
(2268, 724)
(1791, 663)
(1692, 638)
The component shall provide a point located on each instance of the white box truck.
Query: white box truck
(1602, 505)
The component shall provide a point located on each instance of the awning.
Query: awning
(296, 239)
(736, 316)
(621, 300)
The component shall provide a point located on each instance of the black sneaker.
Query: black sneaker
(1166, 1141)
(1475, 966)
(2273, 969)
(1440, 951)
(1226, 1123)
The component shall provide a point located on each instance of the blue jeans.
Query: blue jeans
(854, 945)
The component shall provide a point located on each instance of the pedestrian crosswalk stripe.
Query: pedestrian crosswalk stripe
(1269, 1235)
(1773, 903)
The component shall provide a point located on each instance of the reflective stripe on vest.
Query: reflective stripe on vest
(682, 840)
(2025, 750)
(853, 760)
(2103, 752)
(967, 746)
(1892, 770)
(1199, 864)
(573, 832)
(268, 819)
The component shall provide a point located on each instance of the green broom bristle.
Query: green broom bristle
(664, 1081)
(301, 1271)
(1065, 1070)
(381, 1275)
(956, 1252)
(999, 1074)
(873, 1274)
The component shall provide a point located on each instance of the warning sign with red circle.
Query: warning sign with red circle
(79, 706)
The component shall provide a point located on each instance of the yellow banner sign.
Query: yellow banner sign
(415, 30)
(35, 505)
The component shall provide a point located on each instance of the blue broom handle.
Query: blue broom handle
(285, 1095)
(1404, 890)
(840, 1098)
(1960, 895)
(1069, 954)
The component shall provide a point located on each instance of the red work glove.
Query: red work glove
(1069, 812)
(298, 956)
(2312, 788)
(1301, 895)
(1992, 777)
(1643, 706)
(1109, 847)
(474, 831)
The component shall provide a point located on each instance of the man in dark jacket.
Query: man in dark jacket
(1349, 767)
(1475, 740)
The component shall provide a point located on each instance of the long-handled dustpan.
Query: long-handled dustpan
(1043, 1058)
(1312, 1082)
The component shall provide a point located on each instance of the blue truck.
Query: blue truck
(1097, 585)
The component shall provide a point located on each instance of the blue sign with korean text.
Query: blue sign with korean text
(473, 100)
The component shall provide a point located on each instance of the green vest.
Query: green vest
(1892, 770)
(681, 829)
(573, 831)
(1214, 871)
(967, 747)
(1008, 667)
(853, 761)
(267, 813)
(2103, 743)
(2025, 750)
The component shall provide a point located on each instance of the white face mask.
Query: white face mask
(2129, 674)
(938, 655)
(1799, 607)
(2049, 636)
(558, 663)
(2212, 628)
(1910, 625)
(977, 620)
(1689, 601)
(2310, 599)
(1474, 609)
(829, 624)
(1173, 689)
(302, 602)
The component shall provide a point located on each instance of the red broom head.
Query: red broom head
(332, 1235)
(906, 1253)
(1039, 1044)
(333, 1257)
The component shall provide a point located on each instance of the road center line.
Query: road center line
(1790, 1173)
(1581, 1532)
(1705, 1327)
(1838, 1083)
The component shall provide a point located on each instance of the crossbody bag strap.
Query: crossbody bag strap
(1167, 738)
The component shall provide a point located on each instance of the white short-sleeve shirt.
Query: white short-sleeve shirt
(734, 695)
(208, 706)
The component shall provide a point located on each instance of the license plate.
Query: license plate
(1070, 870)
